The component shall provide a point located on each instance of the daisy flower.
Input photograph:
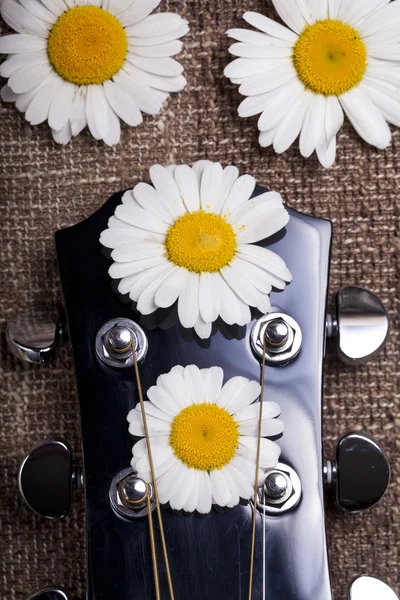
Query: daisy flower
(334, 57)
(190, 239)
(203, 438)
(78, 63)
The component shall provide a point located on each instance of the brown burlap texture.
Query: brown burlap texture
(45, 187)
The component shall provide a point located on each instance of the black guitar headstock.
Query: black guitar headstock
(208, 538)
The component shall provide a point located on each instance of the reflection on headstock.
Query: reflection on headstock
(209, 556)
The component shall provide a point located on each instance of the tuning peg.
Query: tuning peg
(50, 593)
(360, 326)
(370, 588)
(361, 472)
(46, 478)
(32, 335)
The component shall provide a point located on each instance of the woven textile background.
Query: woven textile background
(44, 187)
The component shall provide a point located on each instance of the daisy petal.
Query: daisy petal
(313, 130)
(188, 302)
(366, 119)
(210, 185)
(171, 287)
(290, 13)
(188, 186)
(24, 42)
(204, 501)
(220, 488)
(237, 393)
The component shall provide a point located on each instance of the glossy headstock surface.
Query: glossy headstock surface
(209, 556)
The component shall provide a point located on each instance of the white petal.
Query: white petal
(259, 51)
(334, 8)
(220, 488)
(209, 303)
(132, 12)
(16, 43)
(291, 14)
(184, 490)
(188, 186)
(136, 251)
(241, 286)
(170, 481)
(62, 136)
(334, 117)
(152, 25)
(212, 384)
(269, 427)
(204, 502)
(210, 186)
(247, 67)
(194, 383)
(176, 387)
(158, 82)
(171, 287)
(229, 176)
(270, 27)
(196, 480)
(166, 187)
(153, 411)
(268, 260)
(118, 270)
(7, 95)
(144, 279)
(268, 223)
(266, 138)
(255, 274)
(279, 103)
(121, 102)
(78, 118)
(254, 105)
(238, 470)
(155, 426)
(29, 77)
(141, 218)
(366, 119)
(188, 302)
(313, 131)
(23, 20)
(117, 236)
(241, 190)
(150, 200)
(37, 8)
(231, 485)
(272, 79)
(38, 109)
(327, 154)
(163, 400)
(384, 51)
(238, 393)
(270, 411)
(386, 100)
(290, 127)
(199, 167)
(17, 61)
(202, 328)
(61, 106)
(159, 51)
(232, 308)
(167, 67)
(174, 34)
(140, 448)
(141, 94)
(269, 451)
(378, 21)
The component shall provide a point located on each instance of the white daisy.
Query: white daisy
(203, 438)
(335, 57)
(90, 62)
(189, 239)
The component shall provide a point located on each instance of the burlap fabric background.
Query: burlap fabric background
(45, 187)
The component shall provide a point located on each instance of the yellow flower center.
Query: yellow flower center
(201, 241)
(87, 45)
(330, 57)
(204, 436)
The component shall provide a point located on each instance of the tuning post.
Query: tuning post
(33, 335)
(360, 473)
(50, 593)
(360, 325)
(46, 478)
(371, 588)
(281, 491)
(282, 336)
(129, 495)
(114, 343)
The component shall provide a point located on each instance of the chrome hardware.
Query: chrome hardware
(360, 326)
(128, 495)
(113, 343)
(360, 473)
(46, 478)
(50, 593)
(281, 491)
(33, 335)
(283, 338)
(371, 588)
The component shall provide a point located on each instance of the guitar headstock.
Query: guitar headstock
(209, 555)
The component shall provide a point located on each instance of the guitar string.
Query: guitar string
(153, 476)
(153, 545)
(253, 532)
(264, 542)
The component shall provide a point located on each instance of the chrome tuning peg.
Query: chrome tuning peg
(360, 473)
(370, 588)
(32, 335)
(46, 478)
(360, 326)
(50, 593)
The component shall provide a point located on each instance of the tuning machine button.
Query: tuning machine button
(33, 335)
(360, 326)
(50, 593)
(361, 472)
(113, 343)
(46, 478)
(129, 495)
(281, 337)
(370, 588)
